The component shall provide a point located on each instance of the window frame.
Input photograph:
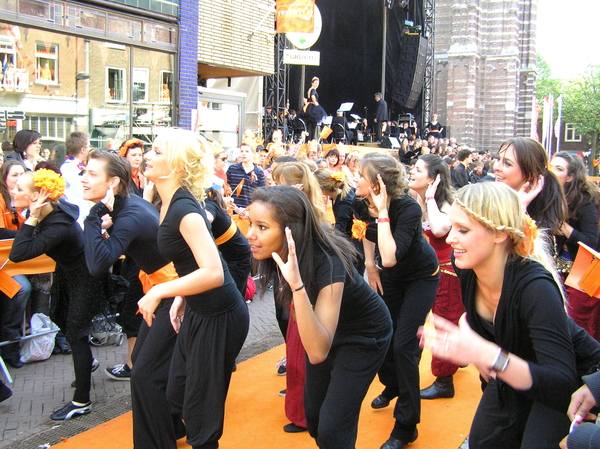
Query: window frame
(146, 75)
(52, 57)
(109, 98)
(169, 85)
(571, 128)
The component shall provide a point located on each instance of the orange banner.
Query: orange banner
(295, 16)
(39, 265)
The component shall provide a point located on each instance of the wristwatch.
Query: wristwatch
(500, 361)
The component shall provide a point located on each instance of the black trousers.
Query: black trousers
(408, 303)
(82, 364)
(152, 419)
(334, 389)
(130, 320)
(201, 368)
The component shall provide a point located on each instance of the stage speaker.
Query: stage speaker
(410, 71)
(389, 142)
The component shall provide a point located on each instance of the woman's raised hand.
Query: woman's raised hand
(432, 188)
(379, 200)
(289, 269)
(36, 206)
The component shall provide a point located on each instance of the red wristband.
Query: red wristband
(382, 220)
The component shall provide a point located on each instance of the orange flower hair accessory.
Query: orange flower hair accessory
(128, 145)
(531, 232)
(339, 176)
(359, 229)
(49, 180)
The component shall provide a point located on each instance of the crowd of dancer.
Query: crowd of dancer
(358, 250)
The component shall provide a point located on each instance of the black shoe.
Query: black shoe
(65, 348)
(56, 350)
(380, 402)
(15, 361)
(395, 443)
(5, 392)
(119, 372)
(443, 387)
(71, 410)
(293, 428)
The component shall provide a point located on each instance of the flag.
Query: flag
(238, 189)
(295, 16)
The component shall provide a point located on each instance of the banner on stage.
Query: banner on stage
(301, 57)
(295, 16)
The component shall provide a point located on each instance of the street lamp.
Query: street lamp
(80, 76)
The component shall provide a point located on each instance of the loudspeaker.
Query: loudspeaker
(410, 70)
(389, 142)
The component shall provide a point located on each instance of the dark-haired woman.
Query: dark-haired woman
(26, 148)
(344, 325)
(523, 166)
(314, 111)
(12, 308)
(406, 272)
(333, 160)
(583, 202)
(430, 180)
(77, 297)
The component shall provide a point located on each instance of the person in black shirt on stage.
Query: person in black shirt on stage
(133, 233)
(344, 326)
(212, 321)
(381, 116)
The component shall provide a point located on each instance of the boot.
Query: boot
(443, 387)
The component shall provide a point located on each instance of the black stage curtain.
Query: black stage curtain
(350, 46)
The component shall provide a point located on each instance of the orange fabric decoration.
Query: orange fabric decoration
(165, 274)
(531, 233)
(339, 176)
(238, 189)
(359, 229)
(38, 265)
(50, 181)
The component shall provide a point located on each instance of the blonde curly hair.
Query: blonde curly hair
(190, 156)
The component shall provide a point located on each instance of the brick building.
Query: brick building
(485, 69)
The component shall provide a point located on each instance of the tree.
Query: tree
(582, 106)
(545, 84)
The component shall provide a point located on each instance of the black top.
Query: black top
(237, 247)
(381, 113)
(343, 212)
(133, 188)
(362, 313)
(133, 233)
(415, 258)
(313, 93)
(531, 323)
(58, 235)
(461, 176)
(173, 246)
(585, 228)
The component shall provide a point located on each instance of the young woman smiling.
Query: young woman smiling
(344, 325)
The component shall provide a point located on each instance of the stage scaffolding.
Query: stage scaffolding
(275, 90)
(428, 32)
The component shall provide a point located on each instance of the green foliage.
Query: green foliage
(545, 84)
(582, 102)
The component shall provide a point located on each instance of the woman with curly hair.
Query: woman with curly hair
(515, 331)
(216, 316)
(406, 273)
(430, 180)
(52, 229)
(583, 202)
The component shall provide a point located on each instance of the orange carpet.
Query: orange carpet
(254, 414)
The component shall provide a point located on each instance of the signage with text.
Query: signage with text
(301, 57)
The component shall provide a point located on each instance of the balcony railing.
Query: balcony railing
(15, 80)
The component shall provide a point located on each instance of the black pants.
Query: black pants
(82, 363)
(201, 368)
(130, 320)
(152, 419)
(334, 389)
(408, 303)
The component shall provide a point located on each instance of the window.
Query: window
(8, 59)
(166, 85)
(52, 128)
(140, 85)
(115, 84)
(46, 63)
(571, 133)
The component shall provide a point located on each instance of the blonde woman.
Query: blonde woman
(515, 330)
(212, 320)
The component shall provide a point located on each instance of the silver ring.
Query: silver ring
(177, 318)
(446, 342)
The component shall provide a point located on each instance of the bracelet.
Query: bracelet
(429, 198)
(382, 220)
(500, 361)
(297, 289)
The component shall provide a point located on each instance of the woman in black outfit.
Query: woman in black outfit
(583, 201)
(313, 110)
(515, 330)
(77, 297)
(404, 268)
(231, 242)
(344, 326)
(216, 317)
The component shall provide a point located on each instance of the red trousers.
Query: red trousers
(295, 375)
(585, 311)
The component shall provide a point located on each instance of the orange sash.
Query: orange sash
(165, 274)
(37, 265)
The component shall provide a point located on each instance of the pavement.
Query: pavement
(40, 388)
